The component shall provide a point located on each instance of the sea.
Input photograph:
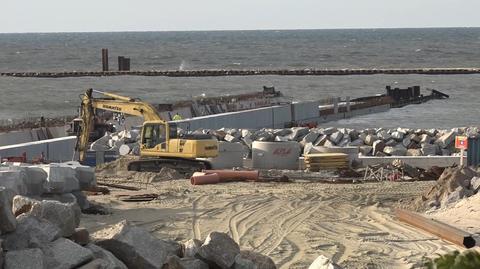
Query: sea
(275, 49)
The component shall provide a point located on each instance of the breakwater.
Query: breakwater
(250, 72)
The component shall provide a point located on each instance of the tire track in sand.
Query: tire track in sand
(244, 214)
(286, 225)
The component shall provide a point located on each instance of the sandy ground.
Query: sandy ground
(465, 215)
(293, 223)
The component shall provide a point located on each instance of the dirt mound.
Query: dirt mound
(119, 165)
(454, 184)
(151, 177)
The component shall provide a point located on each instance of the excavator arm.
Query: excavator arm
(110, 102)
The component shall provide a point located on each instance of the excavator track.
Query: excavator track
(183, 166)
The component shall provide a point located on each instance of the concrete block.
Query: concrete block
(61, 178)
(35, 178)
(230, 155)
(84, 174)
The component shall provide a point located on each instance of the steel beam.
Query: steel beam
(440, 229)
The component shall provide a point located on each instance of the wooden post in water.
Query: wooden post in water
(105, 60)
(120, 63)
(126, 64)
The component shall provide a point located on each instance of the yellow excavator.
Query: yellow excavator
(160, 145)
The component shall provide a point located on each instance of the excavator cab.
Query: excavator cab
(153, 135)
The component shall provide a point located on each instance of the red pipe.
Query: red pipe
(199, 178)
(231, 175)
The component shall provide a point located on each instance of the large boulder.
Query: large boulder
(398, 136)
(134, 246)
(298, 133)
(398, 150)
(378, 146)
(81, 236)
(365, 150)
(429, 149)
(111, 262)
(323, 262)
(260, 261)
(414, 152)
(14, 181)
(384, 135)
(31, 232)
(310, 138)
(22, 204)
(320, 140)
(356, 143)
(370, 139)
(425, 139)
(336, 137)
(63, 253)
(25, 259)
(65, 215)
(219, 250)
(446, 140)
(475, 183)
(8, 223)
(174, 262)
(329, 130)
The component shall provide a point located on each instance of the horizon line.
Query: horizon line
(242, 30)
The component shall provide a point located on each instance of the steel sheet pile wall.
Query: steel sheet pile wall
(54, 150)
(268, 117)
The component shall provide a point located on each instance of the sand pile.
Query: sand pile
(454, 184)
(464, 214)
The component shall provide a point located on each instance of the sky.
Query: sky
(182, 15)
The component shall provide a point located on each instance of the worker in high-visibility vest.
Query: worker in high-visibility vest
(177, 117)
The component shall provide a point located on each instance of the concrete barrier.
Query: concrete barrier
(53, 150)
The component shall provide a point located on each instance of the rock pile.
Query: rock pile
(40, 209)
(137, 248)
(454, 184)
(370, 142)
